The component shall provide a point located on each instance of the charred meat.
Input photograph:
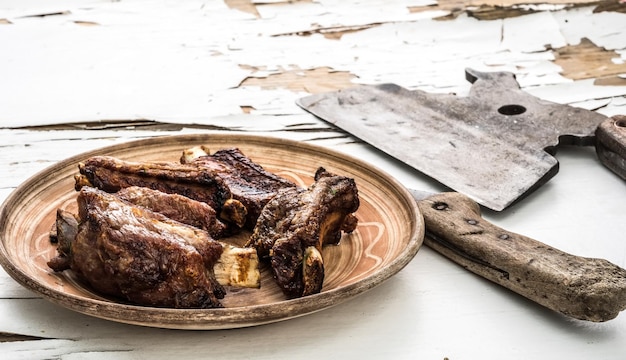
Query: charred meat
(296, 223)
(111, 175)
(64, 233)
(176, 207)
(138, 255)
(248, 181)
(146, 231)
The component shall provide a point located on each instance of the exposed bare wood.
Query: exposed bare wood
(494, 9)
(7, 337)
(588, 61)
(330, 32)
(121, 125)
(237, 67)
(311, 80)
(243, 5)
(611, 5)
(86, 23)
(491, 12)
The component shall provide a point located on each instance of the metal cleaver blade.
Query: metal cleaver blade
(495, 145)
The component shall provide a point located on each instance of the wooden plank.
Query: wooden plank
(6, 337)
(310, 80)
(222, 63)
(589, 61)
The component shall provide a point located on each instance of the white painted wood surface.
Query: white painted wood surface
(182, 63)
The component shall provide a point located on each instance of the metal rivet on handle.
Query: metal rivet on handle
(440, 206)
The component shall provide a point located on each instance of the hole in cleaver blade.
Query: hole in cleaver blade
(490, 145)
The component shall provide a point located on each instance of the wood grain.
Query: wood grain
(389, 235)
(583, 288)
(611, 144)
(589, 61)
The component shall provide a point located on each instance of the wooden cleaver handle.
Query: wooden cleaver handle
(611, 144)
(583, 288)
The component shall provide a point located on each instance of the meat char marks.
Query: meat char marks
(228, 181)
(144, 257)
(112, 174)
(142, 200)
(247, 181)
(291, 224)
(176, 207)
(296, 223)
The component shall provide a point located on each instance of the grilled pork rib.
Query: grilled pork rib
(228, 181)
(63, 233)
(296, 223)
(176, 207)
(290, 224)
(111, 174)
(141, 256)
(247, 181)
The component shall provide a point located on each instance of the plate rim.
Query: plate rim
(219, 318)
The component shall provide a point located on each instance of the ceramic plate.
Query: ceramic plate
(388, 236)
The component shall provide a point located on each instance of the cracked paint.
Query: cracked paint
(152, 67)
(167, 63)
(312, 81)
(586, 60)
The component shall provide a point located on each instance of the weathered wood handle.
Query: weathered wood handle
(583, 288)
(611, 144)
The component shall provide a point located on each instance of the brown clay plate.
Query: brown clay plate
(388, 236)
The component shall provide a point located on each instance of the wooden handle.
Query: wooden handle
(583, 288)
(611, 144)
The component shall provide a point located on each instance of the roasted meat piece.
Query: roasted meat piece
(296, 223)
(176, 207)
(63, 233)
(199, 183)
(141, 256)
(247, 181)
(111, 175)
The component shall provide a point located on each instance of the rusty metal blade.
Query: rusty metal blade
(494, 145)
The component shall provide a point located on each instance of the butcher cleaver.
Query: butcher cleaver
(496, 145)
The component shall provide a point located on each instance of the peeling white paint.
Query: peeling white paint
(532, 33)
(576, 91)
(605, 29)
(185, 60)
